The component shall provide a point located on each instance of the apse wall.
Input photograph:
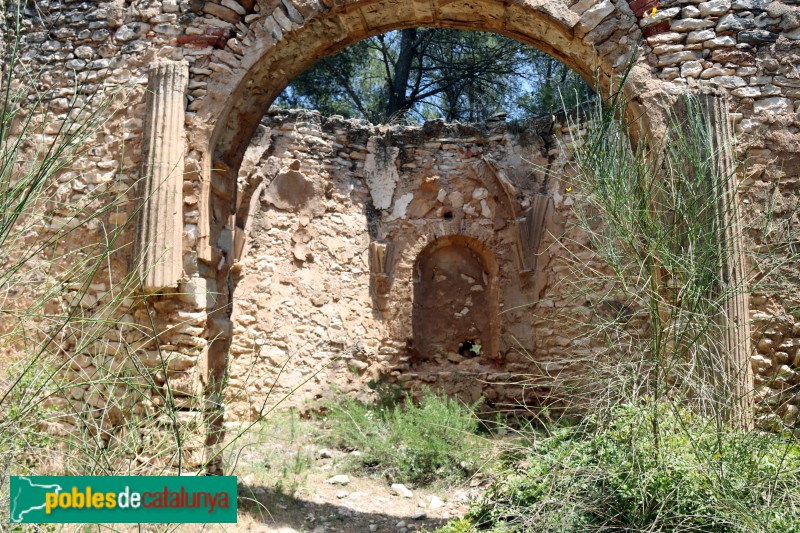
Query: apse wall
(433, 255)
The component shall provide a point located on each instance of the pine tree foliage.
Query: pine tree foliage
(420, 74)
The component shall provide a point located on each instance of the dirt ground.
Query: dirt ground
(285, 486)
(362, 505)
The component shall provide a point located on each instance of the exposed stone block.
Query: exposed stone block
(290, 191)
(200, 293)
(225, 13)
(757, 36)
(700, 36)
(678, 57)
(714, 8)
(729, 82)
(773, 106)
(381, 171)
(131, 31)
(720, 42)
(685, 25)
(594, 16)
(733, 22)
(661, 16)
(690, 12)
(691, 69)
(747, 92)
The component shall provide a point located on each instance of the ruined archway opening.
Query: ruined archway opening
(276, 61)
(440, 212)
(272, 63)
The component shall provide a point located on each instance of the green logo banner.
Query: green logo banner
(123, 499)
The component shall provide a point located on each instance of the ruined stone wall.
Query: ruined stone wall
(328, 281)
(241, 54)
(313, 310)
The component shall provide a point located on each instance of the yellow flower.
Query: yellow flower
(651, 15)
(569, 189)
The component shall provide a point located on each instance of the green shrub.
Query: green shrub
(458, 525)
(686, 475)
(409, 443)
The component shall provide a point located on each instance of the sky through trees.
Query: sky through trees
(419, 74)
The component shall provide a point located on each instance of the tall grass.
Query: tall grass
(610, 473)
(63, 304)
(78, 392)
(651, 216)
(405, 442)
(658, 449)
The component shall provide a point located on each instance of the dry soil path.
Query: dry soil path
(359, 504)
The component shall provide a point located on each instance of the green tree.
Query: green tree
(424, 73)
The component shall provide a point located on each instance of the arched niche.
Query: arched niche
(455, 314)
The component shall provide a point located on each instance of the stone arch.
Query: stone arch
(455, 309)
(595, 41)
(240, 57)
(277, 56)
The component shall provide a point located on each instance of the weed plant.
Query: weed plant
(75, 395)
(277, 454)
(612, 474)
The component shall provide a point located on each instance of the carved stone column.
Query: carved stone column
(734, 342)
(381, 284)
(531, 225)
(159, 232)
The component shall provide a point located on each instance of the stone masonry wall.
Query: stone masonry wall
(307, 305)
(241, 54)
(308, 312)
